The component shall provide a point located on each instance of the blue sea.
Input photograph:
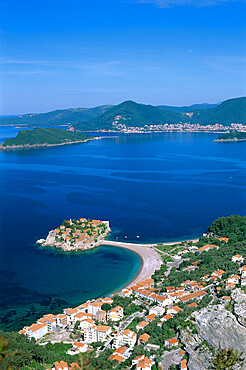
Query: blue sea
(160, 187)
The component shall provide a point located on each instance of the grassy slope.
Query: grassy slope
(40, 136)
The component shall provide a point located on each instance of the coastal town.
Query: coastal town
(146, 325)
(76, 235)
(178, 127)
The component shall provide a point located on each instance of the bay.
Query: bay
(160, 187)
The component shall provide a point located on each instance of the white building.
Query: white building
(237, 258)
(116, 313)
(157, 310)
(70, 312)
(125, 337)
(78, 347)
(93, 307)
(36, 331)
(171, 342)
(127, 292)
(97, 333)
(86, 324)
(61, 320)
(243, 271)
(233, 279)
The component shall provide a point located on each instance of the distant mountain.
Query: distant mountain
(187, 109)
(130, 114)
(230, 111)
(57, 117)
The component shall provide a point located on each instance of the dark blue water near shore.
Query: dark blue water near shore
(161, 187)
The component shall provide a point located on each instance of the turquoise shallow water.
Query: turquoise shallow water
(160, 187)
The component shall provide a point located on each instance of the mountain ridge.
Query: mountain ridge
(134, 114)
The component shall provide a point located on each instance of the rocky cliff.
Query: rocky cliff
(216, 328)
(239, 300)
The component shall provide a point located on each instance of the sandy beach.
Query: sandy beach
(151, 260)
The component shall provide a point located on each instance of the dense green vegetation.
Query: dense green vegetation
(57, 117)
(21, 353)
(126, 303)
(227, 359)
(233, 227)
(41, 136)
(131, 114)
(232, 136)
(230, 111)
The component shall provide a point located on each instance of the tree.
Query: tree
(6, 355)
(76, 326)
(226, 359)
(106, 307)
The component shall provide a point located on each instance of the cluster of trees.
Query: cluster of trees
(210, 261)
(126, 303)
(17, 351)
(158, 273)
(233, 227)
(40, 136)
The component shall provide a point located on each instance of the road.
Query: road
(128, 321)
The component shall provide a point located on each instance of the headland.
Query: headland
(44, 137)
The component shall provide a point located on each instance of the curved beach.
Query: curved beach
(151, 259)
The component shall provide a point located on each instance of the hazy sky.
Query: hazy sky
(84, 53)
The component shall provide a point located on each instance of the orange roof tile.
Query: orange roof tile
(144, 337)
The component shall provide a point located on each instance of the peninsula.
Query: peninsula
(43, 137)
(80, 234)
(231, 137)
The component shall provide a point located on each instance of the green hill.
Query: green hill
(43, 137)
(130, 114)
(57, 117)
(133, 114)
(232, 136)
(230, 111)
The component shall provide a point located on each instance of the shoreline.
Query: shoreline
(228, 140)
(35, 146)
(151, 259)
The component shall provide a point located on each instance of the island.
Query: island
(73, 235)
(44, 137)
(231, 137)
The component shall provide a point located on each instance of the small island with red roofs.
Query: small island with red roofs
(76, 235)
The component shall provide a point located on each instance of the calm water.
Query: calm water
(161, 187)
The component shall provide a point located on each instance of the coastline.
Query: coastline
(35, 146)
(151, 259)
(228, 140)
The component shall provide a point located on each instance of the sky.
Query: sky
(58, 54)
